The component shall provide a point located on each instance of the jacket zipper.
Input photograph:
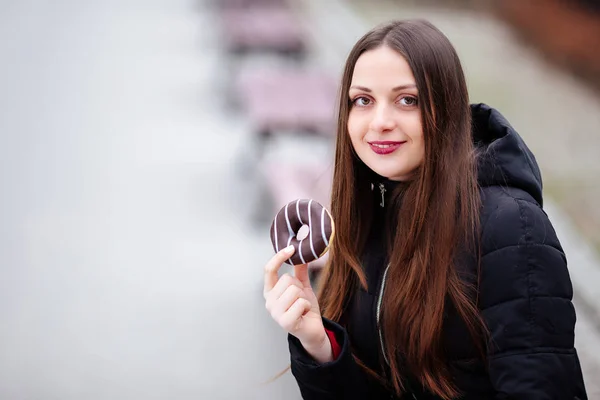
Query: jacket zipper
(379, 301)
(382, 288)
(381, 291)
(378, 313)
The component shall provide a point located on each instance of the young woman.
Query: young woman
(445, 279)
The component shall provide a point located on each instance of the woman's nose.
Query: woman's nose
(383, 119)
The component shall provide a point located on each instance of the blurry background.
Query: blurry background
(146, 145)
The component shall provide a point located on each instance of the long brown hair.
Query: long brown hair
(437, 213)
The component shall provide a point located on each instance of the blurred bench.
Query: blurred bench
(263, 29)
(288, 100)
(281, 101)
(287, 182)
(246, 4)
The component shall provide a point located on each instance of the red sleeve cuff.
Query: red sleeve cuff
(335, 347)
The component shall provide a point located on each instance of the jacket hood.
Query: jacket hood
(503, 157)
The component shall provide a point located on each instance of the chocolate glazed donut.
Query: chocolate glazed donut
(290, 219)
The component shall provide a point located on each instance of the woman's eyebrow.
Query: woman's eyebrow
(406, 86)
(395, 89)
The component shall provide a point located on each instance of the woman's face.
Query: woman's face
(385, 122)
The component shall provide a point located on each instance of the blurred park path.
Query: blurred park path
(125, 270)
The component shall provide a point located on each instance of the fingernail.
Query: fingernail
(289, 250)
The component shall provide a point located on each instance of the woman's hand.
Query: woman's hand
(293, 305)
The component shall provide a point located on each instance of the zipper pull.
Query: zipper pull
(382, 190)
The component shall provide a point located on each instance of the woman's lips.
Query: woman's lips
(385, 147)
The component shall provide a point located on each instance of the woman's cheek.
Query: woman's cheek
(356, 126)
(416, 130)
(362, 123)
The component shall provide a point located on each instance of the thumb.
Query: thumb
(301, 273)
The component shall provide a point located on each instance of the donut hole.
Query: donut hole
(303, 232)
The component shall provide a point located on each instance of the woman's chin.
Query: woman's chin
(393, 175)
(400, 176)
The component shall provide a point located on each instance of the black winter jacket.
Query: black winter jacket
(524, 296)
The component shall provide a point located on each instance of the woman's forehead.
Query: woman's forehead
(382, 67)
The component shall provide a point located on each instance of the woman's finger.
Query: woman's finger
(272, 267)
(301, 272)
(272, 296)
(282, 284)
(291, 319)
(283, 303)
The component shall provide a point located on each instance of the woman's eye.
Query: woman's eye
(409, 101)
(361, 101)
